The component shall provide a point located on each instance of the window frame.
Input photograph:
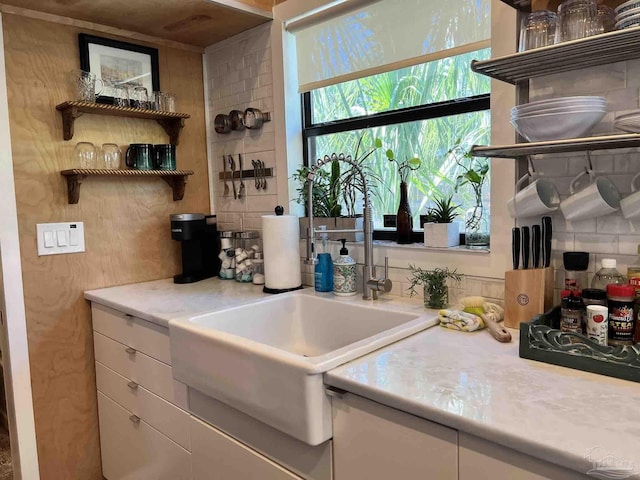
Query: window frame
(430, 111)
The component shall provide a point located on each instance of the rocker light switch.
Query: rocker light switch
(57, 238)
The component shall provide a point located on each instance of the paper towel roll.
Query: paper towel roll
(280, 239)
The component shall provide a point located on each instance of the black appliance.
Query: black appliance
(198, 237)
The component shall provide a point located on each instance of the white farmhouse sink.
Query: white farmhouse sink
(267, 358)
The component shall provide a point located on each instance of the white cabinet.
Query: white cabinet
(133, 450)
(483, 460)
(144, 429)
(217, 456)
(374, 442)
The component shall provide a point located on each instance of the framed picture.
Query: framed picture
(118, 63)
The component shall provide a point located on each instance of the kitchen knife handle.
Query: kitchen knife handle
(535, 243)
(526, 246)
(515, 247)
(547, 232)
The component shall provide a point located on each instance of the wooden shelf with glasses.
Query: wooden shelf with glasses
(172, 122)
(177, 179)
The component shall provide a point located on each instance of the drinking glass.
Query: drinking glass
(578, 19)
(85, 85)
(85, 154)
(606, 19)
(111, 155)
(121, 95)
(140, 97)
(168, 102)
(538, 29)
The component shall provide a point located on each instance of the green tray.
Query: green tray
(542, 340)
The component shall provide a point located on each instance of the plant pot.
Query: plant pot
(436, 296)
(331, 223)
(441, 235)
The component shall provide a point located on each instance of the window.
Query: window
(419, 111)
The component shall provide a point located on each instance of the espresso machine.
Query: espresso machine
(198, 237)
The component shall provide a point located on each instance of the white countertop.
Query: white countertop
(162, 300)
(472, 383)
(467, 381)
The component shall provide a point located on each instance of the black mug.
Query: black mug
(140, 156)
(164, 157)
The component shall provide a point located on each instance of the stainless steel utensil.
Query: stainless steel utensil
(256, 169)
(232, 167)
(241, 190)
(226, 185)
(221, 124)
(263, 178)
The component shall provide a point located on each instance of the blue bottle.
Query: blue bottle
(324, 267)
(324, 273)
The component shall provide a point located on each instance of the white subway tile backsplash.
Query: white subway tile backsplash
(597, 243)
(613, 224)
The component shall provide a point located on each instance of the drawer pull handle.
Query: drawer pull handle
(130, 350)
(134, 419)
(132, 385)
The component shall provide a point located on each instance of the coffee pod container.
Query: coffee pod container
(227, 256)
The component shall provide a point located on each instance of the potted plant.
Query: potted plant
(434, 283)
(404, 219)
(336, 192)
(474, 174)
(440, 231)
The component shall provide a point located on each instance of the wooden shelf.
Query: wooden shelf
(177, 179)
(170, 121)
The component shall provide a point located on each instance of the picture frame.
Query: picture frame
(116, 62)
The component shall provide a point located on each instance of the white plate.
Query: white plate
(562, 100)
(557, 126)
(626, 6)
(558, 110)
(529, 108)
(631, 21)
(628, 13)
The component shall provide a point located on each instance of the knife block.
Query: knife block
(527, 293)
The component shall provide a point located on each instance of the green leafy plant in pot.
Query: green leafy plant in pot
(440, 231)
(474, 175)
(434, 283)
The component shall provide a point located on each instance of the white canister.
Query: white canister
(597, 323)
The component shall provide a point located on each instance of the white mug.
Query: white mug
(600, 197)
(539, 197)
(630, 205)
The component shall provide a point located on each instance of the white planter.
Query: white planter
(333, 223)
(441, 235)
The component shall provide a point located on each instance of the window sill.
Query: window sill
(420, 246)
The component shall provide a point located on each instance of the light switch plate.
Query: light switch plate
(61, 238)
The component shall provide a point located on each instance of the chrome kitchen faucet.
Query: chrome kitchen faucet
(371, 284)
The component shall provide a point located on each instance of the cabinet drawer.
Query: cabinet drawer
(147, 337)
(153, 375)
(160, 414)
(133, 450)
(215, 455)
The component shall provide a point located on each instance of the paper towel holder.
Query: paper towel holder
(279, 211)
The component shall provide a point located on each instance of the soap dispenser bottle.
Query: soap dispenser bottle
(344, 273)
(323, 273)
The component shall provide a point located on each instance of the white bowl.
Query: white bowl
(559, 110)
(628, 13)
(628, 22)
(560, 102)
(557, 126)
(525, 109)
(626, 6)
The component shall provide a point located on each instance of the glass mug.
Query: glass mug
(164, 156)
(85, 85)
(139, 156)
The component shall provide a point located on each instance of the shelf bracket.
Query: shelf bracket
(173, 127)
(68, 118)
(73, 187)
(177, 184)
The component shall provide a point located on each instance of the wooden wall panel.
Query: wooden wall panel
(126, 226)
